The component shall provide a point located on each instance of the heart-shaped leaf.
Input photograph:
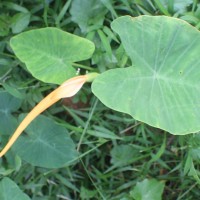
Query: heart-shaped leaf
(46, 144)
(162, 87)
(49, 53)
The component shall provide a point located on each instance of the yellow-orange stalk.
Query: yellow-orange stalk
(67, 89)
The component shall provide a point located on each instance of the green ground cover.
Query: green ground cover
(120, 158)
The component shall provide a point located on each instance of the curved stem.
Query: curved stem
(67, 89)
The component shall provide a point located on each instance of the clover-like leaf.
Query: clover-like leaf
(49, 53)
(46, 144)
(162, 87)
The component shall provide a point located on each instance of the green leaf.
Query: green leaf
(110, 7)
(89, 15)
(178, 5)
(103, 133)
(85, 193)
(123, 155)
(46, 144)
(160, 152)
(4, 24)
(161, 7)
(15, 7)
(49, 53)
(9, 190)
(189, 168)
(8, 104)
(148, 190)
(188, 164)
(12, 90)
(5, 66)
(20, 21)
(193, 143)
(162, 87)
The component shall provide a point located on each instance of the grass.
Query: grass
(109, 168)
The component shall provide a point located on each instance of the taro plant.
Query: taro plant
(161, 87)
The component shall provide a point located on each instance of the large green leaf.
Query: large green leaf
(49, 53)
(9, 190)
(162, 87)
(46, 144)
